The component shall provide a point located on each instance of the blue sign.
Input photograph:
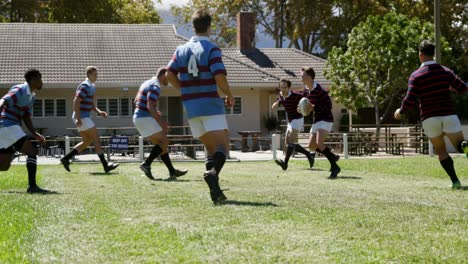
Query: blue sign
(119, 143)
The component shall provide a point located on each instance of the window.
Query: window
(116, 106)
(50, 108)
(236, 109)
(113, 107)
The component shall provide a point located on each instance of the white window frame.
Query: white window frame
(55, 108)
(119, 106)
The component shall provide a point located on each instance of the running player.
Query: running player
(150, 125)
(201, 72)
(15, 106)
(321, 104)
(432, 85)
(290, 99)
(83, 104)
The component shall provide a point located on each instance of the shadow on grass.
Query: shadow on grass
(462, 188)
(234, 202)
(348, 178)
(171, 180)
(103, 173)
(24, 192)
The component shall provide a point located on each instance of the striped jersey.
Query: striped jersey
(322, 103)
(86, 91)
(19, 103)
(430, 85)
(197, 62)
(290, 103)
(148, 91)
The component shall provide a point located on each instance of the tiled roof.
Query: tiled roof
(125, 55)
(282, 63)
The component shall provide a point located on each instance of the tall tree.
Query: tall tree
(373, 71)
(83, 11)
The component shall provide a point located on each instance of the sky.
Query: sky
(165, 4)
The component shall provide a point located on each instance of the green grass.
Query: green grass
(382, 210)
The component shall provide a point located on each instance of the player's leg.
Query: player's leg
(289, 144)
(161, 139)
(86, 140)
(433, 127)
(5, 159)
(322, 134)
(297, 147)
(212, 132)
(108, 166)
(452, 128)
(31, 151)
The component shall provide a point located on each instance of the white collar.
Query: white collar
(88, 81)
(428, 63)
(199, 38)
(28, 89)
(313, 86)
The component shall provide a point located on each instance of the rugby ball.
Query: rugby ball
(303, 106)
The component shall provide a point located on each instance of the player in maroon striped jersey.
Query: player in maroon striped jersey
(432, 85)
(290, 99)
(321, 104)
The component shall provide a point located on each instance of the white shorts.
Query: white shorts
(321, 125)
(86, 123)
(10, 135)
(202, 124)
(296, 124)
(147, 126)
(435, 126)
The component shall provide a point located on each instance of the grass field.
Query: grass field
(381, 210)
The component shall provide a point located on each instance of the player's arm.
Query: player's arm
(28, 123)
(98, 111)
(152, 108)
(3, 104)
(457, 85)
(173, 79)
(409, 100)
(275, 105)
(223, 85)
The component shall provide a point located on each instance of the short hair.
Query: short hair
(32, 73)
(90, 69)
(427, 48)
(310, 71)
(287, 81)
(201, 20)
(161, 71)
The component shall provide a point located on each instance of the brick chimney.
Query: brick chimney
(246, 24)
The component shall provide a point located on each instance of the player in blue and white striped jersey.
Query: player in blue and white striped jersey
(150, 125)
(83, 104)
(15, 107)
(201, 72)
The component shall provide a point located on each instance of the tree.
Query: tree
(83, 11)
(381, 54)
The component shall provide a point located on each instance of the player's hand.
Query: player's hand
(229, 101)
(397, 114)
(78, 122)
(103, 113)
(40, 138)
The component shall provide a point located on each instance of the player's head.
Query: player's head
(284, 85)
(201, 20)
(308, 76)
(33, 78)
(426, 50)
(161, 75)
(91, 73)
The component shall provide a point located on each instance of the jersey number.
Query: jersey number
(192, 67)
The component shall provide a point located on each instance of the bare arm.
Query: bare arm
(28, 123)
(2, 104)
(76, 109)
(275, 105)
(173, 79)
(98, 111)
(156, 115)
(223, 85)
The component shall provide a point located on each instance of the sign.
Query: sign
(119, 143)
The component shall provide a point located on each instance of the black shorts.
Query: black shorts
(15, 147)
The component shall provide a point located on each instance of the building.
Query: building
(127, 55)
